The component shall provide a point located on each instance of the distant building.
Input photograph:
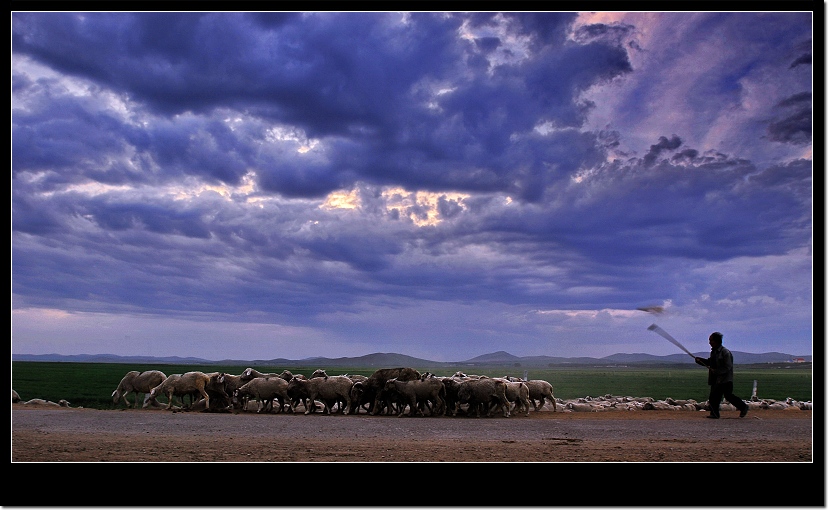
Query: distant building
(798, 360)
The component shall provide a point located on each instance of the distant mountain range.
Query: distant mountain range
(381, 359)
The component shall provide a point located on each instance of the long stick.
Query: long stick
(670, 339)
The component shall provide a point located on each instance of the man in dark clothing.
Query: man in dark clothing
(720, 377)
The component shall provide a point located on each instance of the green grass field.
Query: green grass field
(91, 384)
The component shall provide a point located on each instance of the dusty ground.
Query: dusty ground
(69, 456)
(65, 456)
(86, 435)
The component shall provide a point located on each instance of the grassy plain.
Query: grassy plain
(91, 384)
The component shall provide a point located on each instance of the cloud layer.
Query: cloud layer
(257, 185)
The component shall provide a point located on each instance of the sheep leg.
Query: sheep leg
(330, 403)
(312, 398)
(423, 405)
(433, 406)
(376, 407)
(206, 399)
(441, 406)
(505, 406)
(123, 396)
(412, 403)
(479, 407)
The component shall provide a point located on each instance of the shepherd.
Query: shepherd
(720, 377)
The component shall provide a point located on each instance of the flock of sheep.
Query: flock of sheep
(401, 391)
(386, 391)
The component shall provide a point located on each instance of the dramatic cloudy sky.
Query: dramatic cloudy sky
(442, 185)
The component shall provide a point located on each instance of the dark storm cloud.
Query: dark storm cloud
(664, 144)
(31, 216)
(64, 135)
(159, 220)
(544, 28)
(794, 123)
(296, 71)
(702, 208)
(368, 90)
(615, 33)
(801, 60)
(78, 140)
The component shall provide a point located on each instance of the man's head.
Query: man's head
(715, 339)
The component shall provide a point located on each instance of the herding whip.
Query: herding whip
(670, 339)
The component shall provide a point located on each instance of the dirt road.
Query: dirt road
(82, 435)
(640, 458)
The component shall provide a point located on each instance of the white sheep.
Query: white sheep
(252, 373)
(42, 402)
(183, 384)
(417, 395)
(15, 397)
(137, 382)
(328, 390)
(481, 393)
(539, 391)
(264, 389)
(517, 392)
